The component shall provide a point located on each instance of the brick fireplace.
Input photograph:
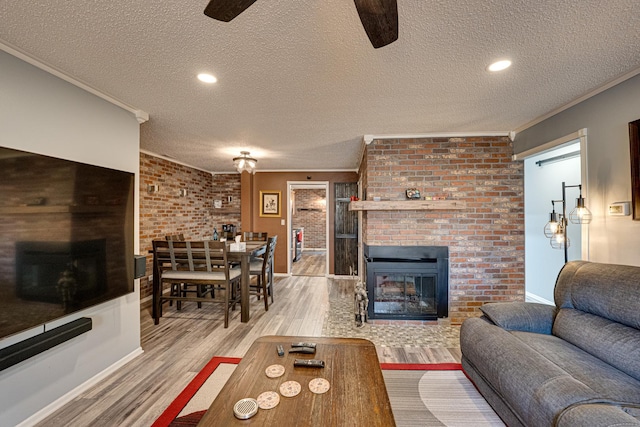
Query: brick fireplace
(485, 239)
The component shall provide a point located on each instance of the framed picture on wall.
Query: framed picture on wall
(634, 145)
(270, 203)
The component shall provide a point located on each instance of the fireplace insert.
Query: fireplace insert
(407, 282)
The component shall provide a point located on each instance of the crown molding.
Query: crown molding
(368, 139)
(141, 116)
(577, 101)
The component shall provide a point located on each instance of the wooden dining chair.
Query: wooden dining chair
(201, 263)
(254, 236)
(177, 288)
(262, 268)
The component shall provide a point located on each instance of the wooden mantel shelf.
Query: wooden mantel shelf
(406, 205)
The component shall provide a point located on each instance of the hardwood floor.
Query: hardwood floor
(184, 341)
(311, 263)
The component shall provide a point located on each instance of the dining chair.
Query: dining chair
(254, 236)
(201, 263)
(178, 288)
(262, 268)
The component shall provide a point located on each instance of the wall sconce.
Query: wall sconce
(152, 188)
(183, 192)
(556, 229)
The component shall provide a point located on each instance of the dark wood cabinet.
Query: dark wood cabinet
(345, 230)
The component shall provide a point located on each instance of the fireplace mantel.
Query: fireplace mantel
(406, 205)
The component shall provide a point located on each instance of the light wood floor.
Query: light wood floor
(184, 341)
(311, 263)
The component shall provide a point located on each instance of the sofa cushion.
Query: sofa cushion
(596, 415)
(607, 383)
(521, 316)
(605, 290)
(614, 343)
(539, 375)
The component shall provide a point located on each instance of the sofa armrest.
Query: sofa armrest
(596, 415)
(521, 316)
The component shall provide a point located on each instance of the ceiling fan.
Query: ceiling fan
(379, 17)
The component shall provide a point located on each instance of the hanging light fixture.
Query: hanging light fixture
(556, 228)
(551, 227)
(560, 240)
(580, 214)
(245, 163)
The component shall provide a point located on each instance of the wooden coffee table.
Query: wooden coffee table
(357, 394)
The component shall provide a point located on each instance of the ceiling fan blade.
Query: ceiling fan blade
(226, 10)
(380, 20)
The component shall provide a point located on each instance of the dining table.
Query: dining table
(237, 257)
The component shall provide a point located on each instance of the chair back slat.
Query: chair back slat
(204, 255)
(254, 236)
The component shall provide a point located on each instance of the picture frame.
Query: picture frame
(270, 202)
(634, 151)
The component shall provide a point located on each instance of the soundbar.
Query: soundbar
(30, 347)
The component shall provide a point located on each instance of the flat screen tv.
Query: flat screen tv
(66, 237)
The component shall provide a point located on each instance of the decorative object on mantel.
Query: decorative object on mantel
(245, 162)
(413, 193)
(435, 197)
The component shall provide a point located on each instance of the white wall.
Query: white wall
(606, 117)
(43, 114)
(541, 185)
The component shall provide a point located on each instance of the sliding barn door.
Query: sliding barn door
(346, 230)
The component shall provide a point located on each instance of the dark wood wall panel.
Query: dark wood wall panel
(345, 230)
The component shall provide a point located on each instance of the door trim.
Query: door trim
(292, 185)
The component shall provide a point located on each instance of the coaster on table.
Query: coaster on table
(319, 385)
(274, 371)
(290, 388)
(268, 400)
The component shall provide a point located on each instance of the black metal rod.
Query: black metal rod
(564, 221)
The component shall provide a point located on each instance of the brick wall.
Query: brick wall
(485, 240)
(166, 212)
(311, 214)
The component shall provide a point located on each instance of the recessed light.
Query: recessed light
(207, 78)
(499, 65)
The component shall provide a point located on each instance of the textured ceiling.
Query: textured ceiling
(299, 83)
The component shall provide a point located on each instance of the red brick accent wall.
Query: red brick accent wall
(311, 214)
(485, 240)
(166, 212)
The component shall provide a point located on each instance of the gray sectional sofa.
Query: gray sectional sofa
(575, 364)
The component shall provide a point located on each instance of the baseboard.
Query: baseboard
(68, 397)
(282, 274)
(529, 297)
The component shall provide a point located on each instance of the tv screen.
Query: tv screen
(66, 237)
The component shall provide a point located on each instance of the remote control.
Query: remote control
(280, 350)
(311, 363)
(304, 344)
(305, 350)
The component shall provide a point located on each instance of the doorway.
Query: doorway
(308, 231)
(544, 173)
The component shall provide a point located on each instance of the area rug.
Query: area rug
(429, 395)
